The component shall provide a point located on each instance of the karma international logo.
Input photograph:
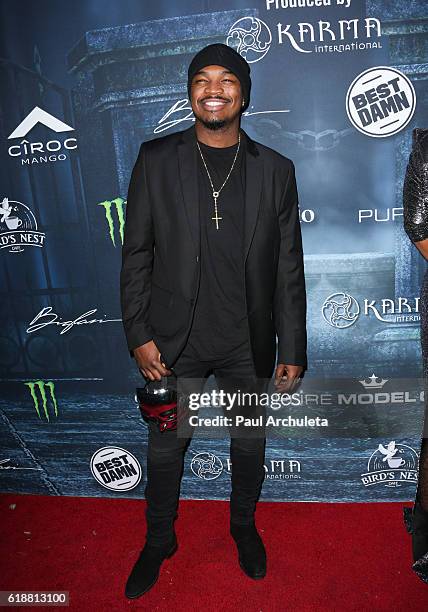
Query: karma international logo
(380, 101)
(115, 468)
(341, 310)
(206, 466)
(391, 466)
(18, 227)
(250, 37)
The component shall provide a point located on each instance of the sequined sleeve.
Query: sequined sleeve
(415, 190)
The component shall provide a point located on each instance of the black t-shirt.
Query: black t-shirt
(220, 320)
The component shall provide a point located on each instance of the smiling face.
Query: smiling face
(216, 97)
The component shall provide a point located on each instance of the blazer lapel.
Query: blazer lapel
(187, 159)
(253, 189)
(188, 167)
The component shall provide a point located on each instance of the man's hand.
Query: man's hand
(287, 376)
(148, 360)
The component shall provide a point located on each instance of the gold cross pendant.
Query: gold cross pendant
(216, 218)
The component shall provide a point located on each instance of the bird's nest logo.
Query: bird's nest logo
(206, 466)
(340, 310)
(391, 466)
(18, 227)
(250, 37)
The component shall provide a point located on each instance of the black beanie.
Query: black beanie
(222, 55)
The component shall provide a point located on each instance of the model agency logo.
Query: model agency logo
(373, 382)
(250, 37)
(115, 468)
(206, 466)
(30, 153)
(406, 391)
(380, 101)
(342, 310)
(43, 396)
(114, 211)
(391, 465)
(18, 227)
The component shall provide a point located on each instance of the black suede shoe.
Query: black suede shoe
(251, 550)
(145, 572)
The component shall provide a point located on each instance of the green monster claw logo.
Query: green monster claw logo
(119, 203)
(41, 385)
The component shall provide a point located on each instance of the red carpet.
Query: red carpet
(320, 556)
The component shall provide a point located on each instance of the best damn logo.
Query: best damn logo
(380, 101)
(116, 468)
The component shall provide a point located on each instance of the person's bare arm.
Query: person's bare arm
(422, 246)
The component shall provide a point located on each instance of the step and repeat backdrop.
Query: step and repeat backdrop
(338, 87)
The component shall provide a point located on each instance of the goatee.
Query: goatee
(214, 124)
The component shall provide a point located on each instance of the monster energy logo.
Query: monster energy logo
(119, 205)
(41, 386)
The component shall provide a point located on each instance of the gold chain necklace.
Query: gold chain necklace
(216, 194)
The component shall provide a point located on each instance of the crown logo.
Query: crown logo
(375, 382)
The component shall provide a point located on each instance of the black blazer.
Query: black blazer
(160, 272)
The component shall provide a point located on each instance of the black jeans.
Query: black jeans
(165, 453)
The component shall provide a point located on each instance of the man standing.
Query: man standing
(212, 270)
